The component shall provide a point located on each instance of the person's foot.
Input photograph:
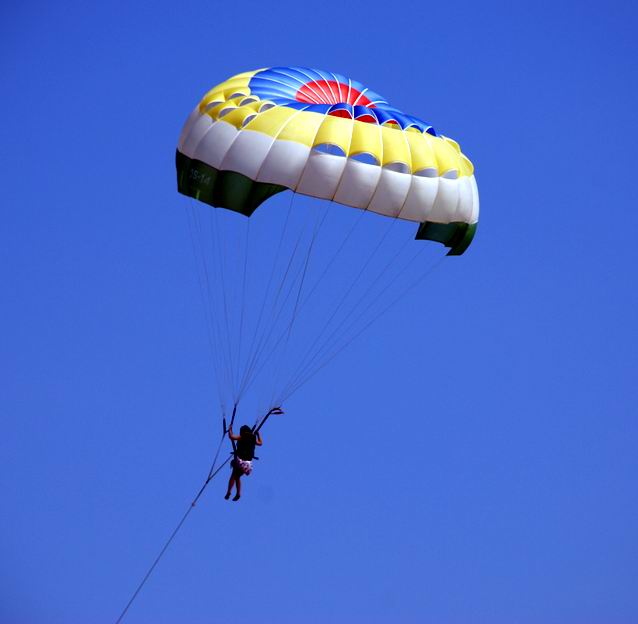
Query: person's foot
(227, 495)
(236, 498)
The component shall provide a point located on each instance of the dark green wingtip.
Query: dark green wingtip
(456, 236)
(223, 189)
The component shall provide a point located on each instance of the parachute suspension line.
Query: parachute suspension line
(275, 313)
(215, 230)
(243, 301)
(212, 473)
(199, 261)
(316, 284)
(278, 368)
(265, 298)
(257, 365)
(312, 356)
(209, 305)
(340, 335)
(343, 299)
(375, 318)
(200, 282)
(207, 242)
(334, 257)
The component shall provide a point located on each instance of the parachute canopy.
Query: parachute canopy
(324, 135)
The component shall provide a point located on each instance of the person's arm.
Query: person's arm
(258, 440)
(231, 436)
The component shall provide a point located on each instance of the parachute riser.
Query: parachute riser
(232, 422)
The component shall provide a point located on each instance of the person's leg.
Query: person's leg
(231, 482)
(238, 486)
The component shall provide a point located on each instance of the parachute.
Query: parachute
(288, 287)
(326, 137)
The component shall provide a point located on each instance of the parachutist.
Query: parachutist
(244, 454)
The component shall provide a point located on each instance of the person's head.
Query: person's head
(245, 431)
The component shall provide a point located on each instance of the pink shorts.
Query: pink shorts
(243, 466)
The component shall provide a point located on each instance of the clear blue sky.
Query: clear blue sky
(475, 462)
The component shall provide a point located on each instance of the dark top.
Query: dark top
(246, 447)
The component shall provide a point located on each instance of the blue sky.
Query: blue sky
(474, 462)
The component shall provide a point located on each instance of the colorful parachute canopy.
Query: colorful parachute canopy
(321, 134)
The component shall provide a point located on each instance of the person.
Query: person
(242, 463)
